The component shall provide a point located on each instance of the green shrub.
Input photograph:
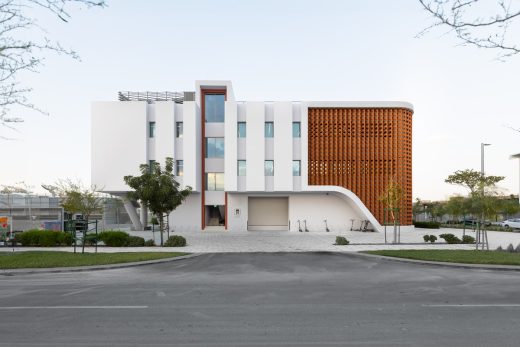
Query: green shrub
(114, 238)
(450, 238)
(468, 239)
(149, 243)
(427, 225)
(430, 238)
(44, 238)
(134, 241)
(175, 241)
(341, 241)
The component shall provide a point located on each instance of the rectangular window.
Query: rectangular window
(269, 168)
(179, 129)
(215, 147)
(269, 129)
(241, 129)
(151, 129)
(215, 181)
(214, 108)
(179, 168)
(296, 129)
(296, 169)
(241, 168)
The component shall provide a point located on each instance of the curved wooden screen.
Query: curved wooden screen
(361, 149)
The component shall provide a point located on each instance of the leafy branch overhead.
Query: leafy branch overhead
(484, 24)
(20, 52)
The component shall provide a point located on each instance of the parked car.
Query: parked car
(511, 223)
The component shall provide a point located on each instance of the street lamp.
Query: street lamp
(517, 156)
(482, 145)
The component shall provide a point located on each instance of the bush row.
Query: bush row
(44, 238)
(427, 225)
(113, 238)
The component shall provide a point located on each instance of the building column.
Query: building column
(144, 216)
(132, 213)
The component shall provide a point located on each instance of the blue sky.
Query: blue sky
(274, 50)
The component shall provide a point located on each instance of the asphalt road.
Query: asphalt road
(265, 299)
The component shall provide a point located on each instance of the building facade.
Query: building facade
(258, 165)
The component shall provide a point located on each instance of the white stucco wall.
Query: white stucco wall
(283, 146)
(164, 130)
(230, 147)
(191, 146)
(187, 216)
(315, 208)
(255, 146)
(118, 141)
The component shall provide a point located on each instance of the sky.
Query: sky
(273, 50)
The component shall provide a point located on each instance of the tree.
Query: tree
(473, 180)
(158, 190)
(459, 206)
(75, 198)
(23, 46)
(478, 23)
(509, 207)
(392, 199)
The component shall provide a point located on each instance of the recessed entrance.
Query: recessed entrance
(268, 213)
(215, 215)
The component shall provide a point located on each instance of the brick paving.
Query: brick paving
(290, 241)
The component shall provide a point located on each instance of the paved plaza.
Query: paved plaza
(290, 241)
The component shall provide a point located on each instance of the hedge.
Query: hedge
(175, 241)
(134, 241)
(427, 225)
(44, 238)
(114, 238)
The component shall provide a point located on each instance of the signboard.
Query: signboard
(5, 228)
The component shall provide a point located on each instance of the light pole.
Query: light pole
(482, 233)
(482, 145)
(517, 156)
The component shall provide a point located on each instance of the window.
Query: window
(214, 108)
(179, 168)
(296, 169)
(269, 168)
(151, 129)
(241, 168)
(215, 147)
(296, 131)
(179, 129)
(241, 129)
(214, 181)
(151, 164)
(269, 129)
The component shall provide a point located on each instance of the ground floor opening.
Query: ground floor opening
(268, 213)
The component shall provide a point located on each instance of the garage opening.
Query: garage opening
(268, 213)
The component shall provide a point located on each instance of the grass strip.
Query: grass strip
(454, 256)
(49, 259)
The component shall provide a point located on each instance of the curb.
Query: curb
(12, 272)
(439, 263)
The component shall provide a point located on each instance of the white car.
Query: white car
(511, 223)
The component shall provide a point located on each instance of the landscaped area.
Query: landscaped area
(454, 256)
(42, 259)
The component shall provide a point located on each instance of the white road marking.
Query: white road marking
(472, 305)
(78, 291)
(69, 307)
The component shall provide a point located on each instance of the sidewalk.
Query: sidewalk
(289, 241)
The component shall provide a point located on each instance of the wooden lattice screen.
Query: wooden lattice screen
(361, 149)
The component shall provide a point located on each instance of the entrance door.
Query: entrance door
(268, 213)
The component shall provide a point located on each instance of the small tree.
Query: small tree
(392, 198)
(75, 198)
(158, 190)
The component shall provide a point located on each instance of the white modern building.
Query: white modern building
(257, 165)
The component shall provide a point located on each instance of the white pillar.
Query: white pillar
(132, 213)
(144, 216)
